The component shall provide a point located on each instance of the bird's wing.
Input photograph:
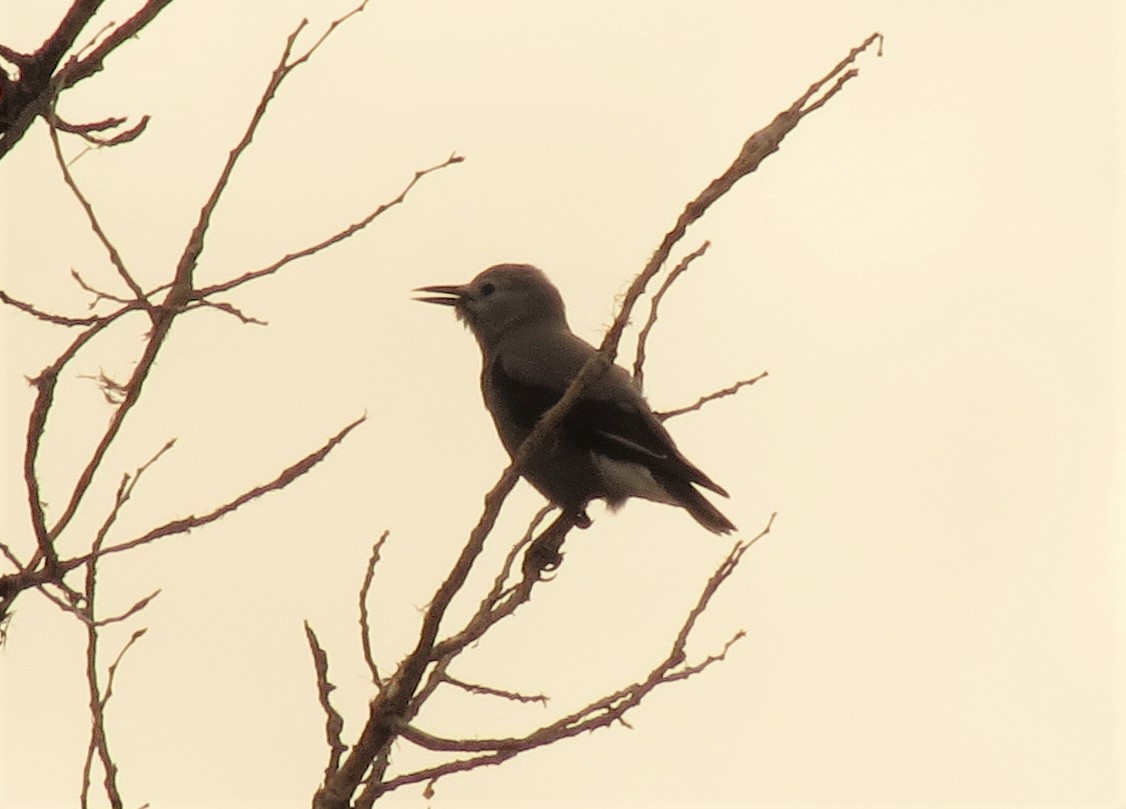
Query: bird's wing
(611, 418)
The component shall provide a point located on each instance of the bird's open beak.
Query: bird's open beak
(454, 293)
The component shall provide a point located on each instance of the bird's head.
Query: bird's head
(501, 299)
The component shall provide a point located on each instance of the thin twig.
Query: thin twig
(598, 714)
(710, 397)
(643, 335)
(92, 218)
(184, 524)
(757, 148)
(230, 309)
(99, 295)
(334, 722)
(339, 236)
(365, 625)
(488, 612)
(58, 320)
(488, 691)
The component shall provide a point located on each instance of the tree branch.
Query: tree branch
(390, 708)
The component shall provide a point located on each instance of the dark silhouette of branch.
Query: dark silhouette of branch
(601, 713)
(91, 217)
(58, 320)
(710, 397)
(365, 623)
(99, 743)
(334, 722)
(179, 297)
(28, 577)
(40, 79)
(757, 148)
(512, 696)
(98, 700)
(339, 236)
(185, 524)
(654, 305)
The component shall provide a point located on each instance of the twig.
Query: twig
(711, 397)
(45, 385)
(28, 577)
(643, 335)
(58, 320)
(365, 625)
(182, 287)
(598, 714)
(339, 236)
(757, 148)
(92, 218)
(86, 132)
(334, 722)
(230, 309)
(513, 696)
(184, 524)
(99, 295)
(99, 744)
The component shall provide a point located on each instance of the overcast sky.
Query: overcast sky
(929, 270)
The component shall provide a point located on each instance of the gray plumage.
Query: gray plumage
(609, 445)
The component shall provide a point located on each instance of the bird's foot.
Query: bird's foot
(543, 556)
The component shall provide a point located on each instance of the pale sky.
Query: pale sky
(929, 270)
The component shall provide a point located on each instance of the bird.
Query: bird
(610, 445)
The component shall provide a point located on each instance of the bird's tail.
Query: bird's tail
(698, 506)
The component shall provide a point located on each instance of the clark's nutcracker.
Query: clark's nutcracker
(609, 445)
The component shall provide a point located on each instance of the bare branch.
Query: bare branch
(513, 696)
(89, 127)
(184, 524)
(841, 79)
(757, 148)
(76, 605)
(129, 613)
(58, 320)
(711, 397)
(40, 78)
(95, 225)
(499, 603)
(99, 295)
(21, 100)
(133, 388)
(112, 671)
(27, 577)
(365, 626)
(182, 288)
(77, 70)
(45, 385)
(332, 26)
(599, 714)
(86, 132)
(334, 722)
(339, 236)
(643, 335)
(230, 310)
(99, 742)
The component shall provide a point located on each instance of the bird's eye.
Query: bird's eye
(487, 289)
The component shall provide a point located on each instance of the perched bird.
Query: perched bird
(609, 445)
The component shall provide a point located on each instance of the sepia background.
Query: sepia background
(929, 270)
